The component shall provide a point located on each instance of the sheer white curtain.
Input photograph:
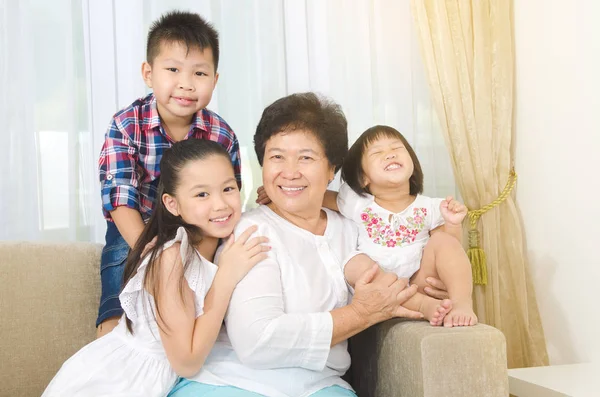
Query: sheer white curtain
(361, 53)
(47, 164)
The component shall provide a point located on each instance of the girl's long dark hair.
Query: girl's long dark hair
(162, 224)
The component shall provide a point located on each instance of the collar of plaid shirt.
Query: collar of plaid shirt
(199, 121)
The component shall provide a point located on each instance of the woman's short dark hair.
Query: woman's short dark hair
(309, 112)
(352, 171)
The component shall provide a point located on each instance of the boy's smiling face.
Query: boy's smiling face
(182, 80)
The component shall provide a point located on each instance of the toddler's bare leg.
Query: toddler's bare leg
(445, 258)
(433, 309)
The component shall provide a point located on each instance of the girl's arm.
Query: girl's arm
(188, 339)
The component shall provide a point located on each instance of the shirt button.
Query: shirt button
(109, 177)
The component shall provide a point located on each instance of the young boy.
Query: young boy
(181, 68)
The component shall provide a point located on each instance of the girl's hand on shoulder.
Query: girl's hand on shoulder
(241, 254)
(453, 211)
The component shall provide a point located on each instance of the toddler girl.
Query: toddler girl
(403, 231)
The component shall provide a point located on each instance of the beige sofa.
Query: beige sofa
(49, 296)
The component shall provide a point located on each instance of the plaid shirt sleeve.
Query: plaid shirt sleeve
(117, 166)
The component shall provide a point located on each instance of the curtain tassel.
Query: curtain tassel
(477, 257)
(475, 253)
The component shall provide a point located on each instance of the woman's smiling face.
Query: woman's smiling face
(296, 172)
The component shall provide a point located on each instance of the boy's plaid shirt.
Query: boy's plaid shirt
(133, 146)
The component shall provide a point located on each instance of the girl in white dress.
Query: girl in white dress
(403, 231)
(174, 297)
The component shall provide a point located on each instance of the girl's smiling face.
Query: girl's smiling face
(207, 196)
(386, 163)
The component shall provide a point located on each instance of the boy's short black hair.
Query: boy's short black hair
(182, 27)
(309, 112)
(352, 170)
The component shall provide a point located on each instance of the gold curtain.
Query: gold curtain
(467, 50)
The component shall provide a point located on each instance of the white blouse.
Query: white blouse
(278, 323)
(394, 240)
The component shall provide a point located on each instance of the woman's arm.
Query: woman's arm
(265, 337)
(378, 296)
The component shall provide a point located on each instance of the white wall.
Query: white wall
(557, 128)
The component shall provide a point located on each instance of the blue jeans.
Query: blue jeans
(112, 266)
(188, 388)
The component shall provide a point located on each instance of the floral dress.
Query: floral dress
(394, 240)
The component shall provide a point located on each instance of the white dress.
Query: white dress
(394, 240)
(122, 364)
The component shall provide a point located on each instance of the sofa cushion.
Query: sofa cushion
(49, 297)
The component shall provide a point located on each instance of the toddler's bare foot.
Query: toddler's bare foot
(461, 315)
(442, 310)
(435, 310)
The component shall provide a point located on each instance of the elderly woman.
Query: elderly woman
(289, 319)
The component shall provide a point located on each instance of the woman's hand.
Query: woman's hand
(239, 256)
(379, 299)
(436, 288)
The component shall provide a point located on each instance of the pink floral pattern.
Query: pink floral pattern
(383, 233)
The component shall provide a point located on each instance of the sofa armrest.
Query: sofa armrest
(403, 358)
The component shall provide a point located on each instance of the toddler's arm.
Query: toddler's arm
(453, 213)
(330, 200)
(455, 231)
